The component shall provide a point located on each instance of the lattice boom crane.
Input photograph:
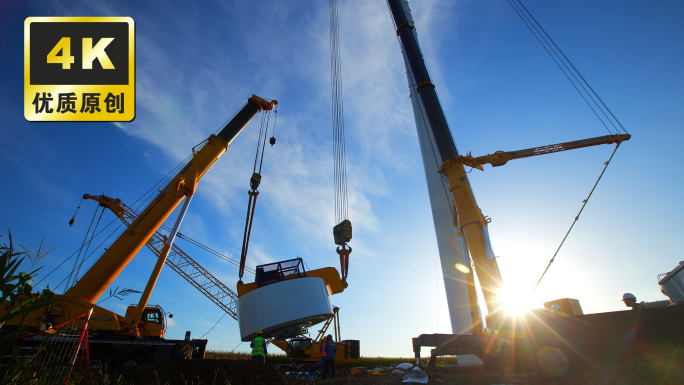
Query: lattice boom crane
(177, 259)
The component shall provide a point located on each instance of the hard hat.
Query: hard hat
(628, 295)
(329, 336)
(259, 332)
(555, 307)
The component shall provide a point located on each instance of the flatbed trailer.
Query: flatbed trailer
(142, 351)
(119, 351)
(535, 342)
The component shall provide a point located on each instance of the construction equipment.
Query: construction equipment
(177, 259)
(285, 299)
(507, 342)
(305, 352)
(672, 284)
(138, 336)
(500, 158)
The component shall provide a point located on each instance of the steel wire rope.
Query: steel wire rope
(275, 119)
(164, 180)
(253, 192)
(339, 150)
(166, 177)
(200, 245)
(98, 246)
(74, 253)
(93, 252)
(180, 165)
(258, 148)
(73, 218)
(89, 242)
(212, 328)
(192, 242)
(576, 219)
(208, 249)
(539, 39)
(79, 250)
(263, 144)
(574, 73)
(575, 69)
(241, 342)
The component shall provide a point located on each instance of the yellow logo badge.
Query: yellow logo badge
(79, 69)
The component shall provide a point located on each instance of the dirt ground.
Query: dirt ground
(243, 372)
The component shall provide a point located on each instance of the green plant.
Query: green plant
(19, 301)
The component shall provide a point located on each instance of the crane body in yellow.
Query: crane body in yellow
(500, 158)
(98, 278)
(306, 352)
(451, 195)
(141, 322)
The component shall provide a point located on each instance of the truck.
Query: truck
(138, 336)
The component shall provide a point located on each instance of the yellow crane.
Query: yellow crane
(306, 352)
(142, 328)
(500, 158)
(177, 259)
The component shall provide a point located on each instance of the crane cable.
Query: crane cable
(78, 271)
(85, 239)
(576, 219)
(254, 183)
(342, 232)
(582, 87)
(567, 67)
(73, 219)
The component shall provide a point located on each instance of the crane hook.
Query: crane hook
(344, 252)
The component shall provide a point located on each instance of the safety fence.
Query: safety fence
(56, 355)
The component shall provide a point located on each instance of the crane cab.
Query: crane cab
(152, 324)
(300, 348)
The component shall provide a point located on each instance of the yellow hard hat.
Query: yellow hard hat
(259, 332)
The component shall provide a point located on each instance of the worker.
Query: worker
(258, 346)
(556, 311)
(328, 350)
(630, 301)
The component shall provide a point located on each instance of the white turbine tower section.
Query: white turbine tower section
(452, 249)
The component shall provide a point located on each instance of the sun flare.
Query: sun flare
(515, 302)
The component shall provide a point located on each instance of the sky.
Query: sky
(197, 63)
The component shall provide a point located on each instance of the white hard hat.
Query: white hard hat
(555, 307)
(628, 295)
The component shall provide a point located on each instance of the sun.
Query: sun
(515, 302)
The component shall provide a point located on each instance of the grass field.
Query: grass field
(366, 362)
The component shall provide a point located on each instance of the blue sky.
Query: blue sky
(197, 63)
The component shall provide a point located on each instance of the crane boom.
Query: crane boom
(178, 260)
(500, 158)
(96, 280)
(468, 217)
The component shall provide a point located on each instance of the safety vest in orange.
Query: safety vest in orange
(324, 349)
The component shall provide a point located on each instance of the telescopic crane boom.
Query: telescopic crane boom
(138, 336)
(177, 259)
(500, 158)
(472, 224)
(96, 280)
(439, 154)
